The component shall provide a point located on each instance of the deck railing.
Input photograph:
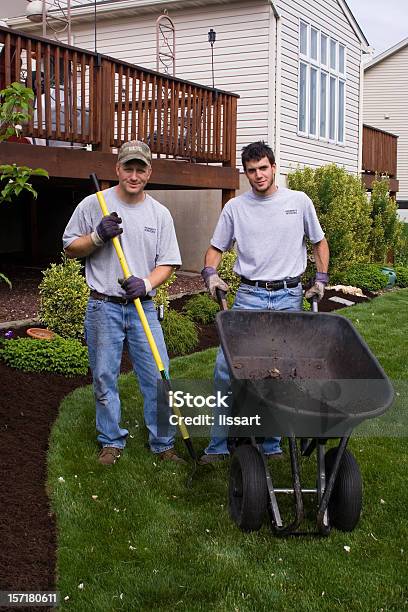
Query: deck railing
(88, 98)
(379, 152)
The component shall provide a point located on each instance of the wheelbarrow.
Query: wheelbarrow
(311, 378)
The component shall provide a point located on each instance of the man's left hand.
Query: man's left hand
(134, 287)
(317, 289)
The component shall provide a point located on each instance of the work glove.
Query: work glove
(135, 287)
(318, 287)
(213, 281)
(109, 227)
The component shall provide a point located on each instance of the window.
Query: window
(321, 86)
(303, 38)
(332, 107)
(341, 59)
(313, 102)
(302, 97)
(340, 129)
(313, 44)
(333, 53)
(323, 50)
(323, 105)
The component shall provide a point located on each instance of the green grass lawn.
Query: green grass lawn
(134, 537)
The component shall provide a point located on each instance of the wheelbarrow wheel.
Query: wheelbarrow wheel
(247, 488)
(347, 495)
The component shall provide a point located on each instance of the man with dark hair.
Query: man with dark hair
(269, 225)
(150, 244)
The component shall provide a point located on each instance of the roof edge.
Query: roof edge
(354, 24)
(387, 53)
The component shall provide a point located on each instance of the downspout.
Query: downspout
(274, 104)
(364, 50)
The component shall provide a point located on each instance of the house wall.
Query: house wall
(327, 16)
(242, 64)
(386, 93)
(241, 53)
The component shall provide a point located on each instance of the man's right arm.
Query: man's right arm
(85, 245)
(81, 247)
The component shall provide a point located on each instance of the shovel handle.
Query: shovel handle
(222, 298)
(315, 305)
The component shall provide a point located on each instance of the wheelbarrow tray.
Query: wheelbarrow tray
(307, 374)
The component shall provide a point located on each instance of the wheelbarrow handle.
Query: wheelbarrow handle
(222, 298)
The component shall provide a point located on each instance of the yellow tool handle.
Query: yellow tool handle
(140, 311)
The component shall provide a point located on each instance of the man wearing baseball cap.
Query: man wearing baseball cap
(149, 241)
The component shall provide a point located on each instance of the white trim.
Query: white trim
(354, 24)
(403, 43)
(360, 117)
(278, 88)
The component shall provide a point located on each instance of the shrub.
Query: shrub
(201, 308)
(365, 276)
(401, 249)
(60, 356)
(306, 305)
(180, 333)
(386, 228)
(162, 293)
(402, 276)
(226, 272)
(343, 210)
(64, 296)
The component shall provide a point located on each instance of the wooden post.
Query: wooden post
(227, 194)
(103, 103)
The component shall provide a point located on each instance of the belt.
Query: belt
(115, 298)
(274, 285)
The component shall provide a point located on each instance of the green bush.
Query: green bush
(180, 333)
(306, 305)
(402, 276)
(225, 271)
(401, 250)
(64, 297)
(386, 228)
(365, 276)
(201, 308)
(59, 356)
(162, 293)
(343, 210)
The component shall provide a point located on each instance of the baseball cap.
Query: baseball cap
(134, 149)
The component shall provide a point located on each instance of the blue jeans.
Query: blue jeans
(107, 327)
(252, 298)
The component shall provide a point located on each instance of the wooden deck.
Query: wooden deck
(93, 103)
(379, 156)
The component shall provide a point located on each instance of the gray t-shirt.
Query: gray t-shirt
(148, 240)
(270, 233)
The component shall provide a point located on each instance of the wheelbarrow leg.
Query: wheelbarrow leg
(322, 526)
(273, 508)
(281, 530)
(321, 482)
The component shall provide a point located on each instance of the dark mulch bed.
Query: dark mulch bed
(28, 407)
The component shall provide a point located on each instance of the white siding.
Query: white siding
(386, 93)
(327, 16)
(241, 53)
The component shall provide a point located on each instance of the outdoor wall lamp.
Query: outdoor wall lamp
(212, 35)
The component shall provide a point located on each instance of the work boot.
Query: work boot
(213, 458)
(170, 455)
(109, 455)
